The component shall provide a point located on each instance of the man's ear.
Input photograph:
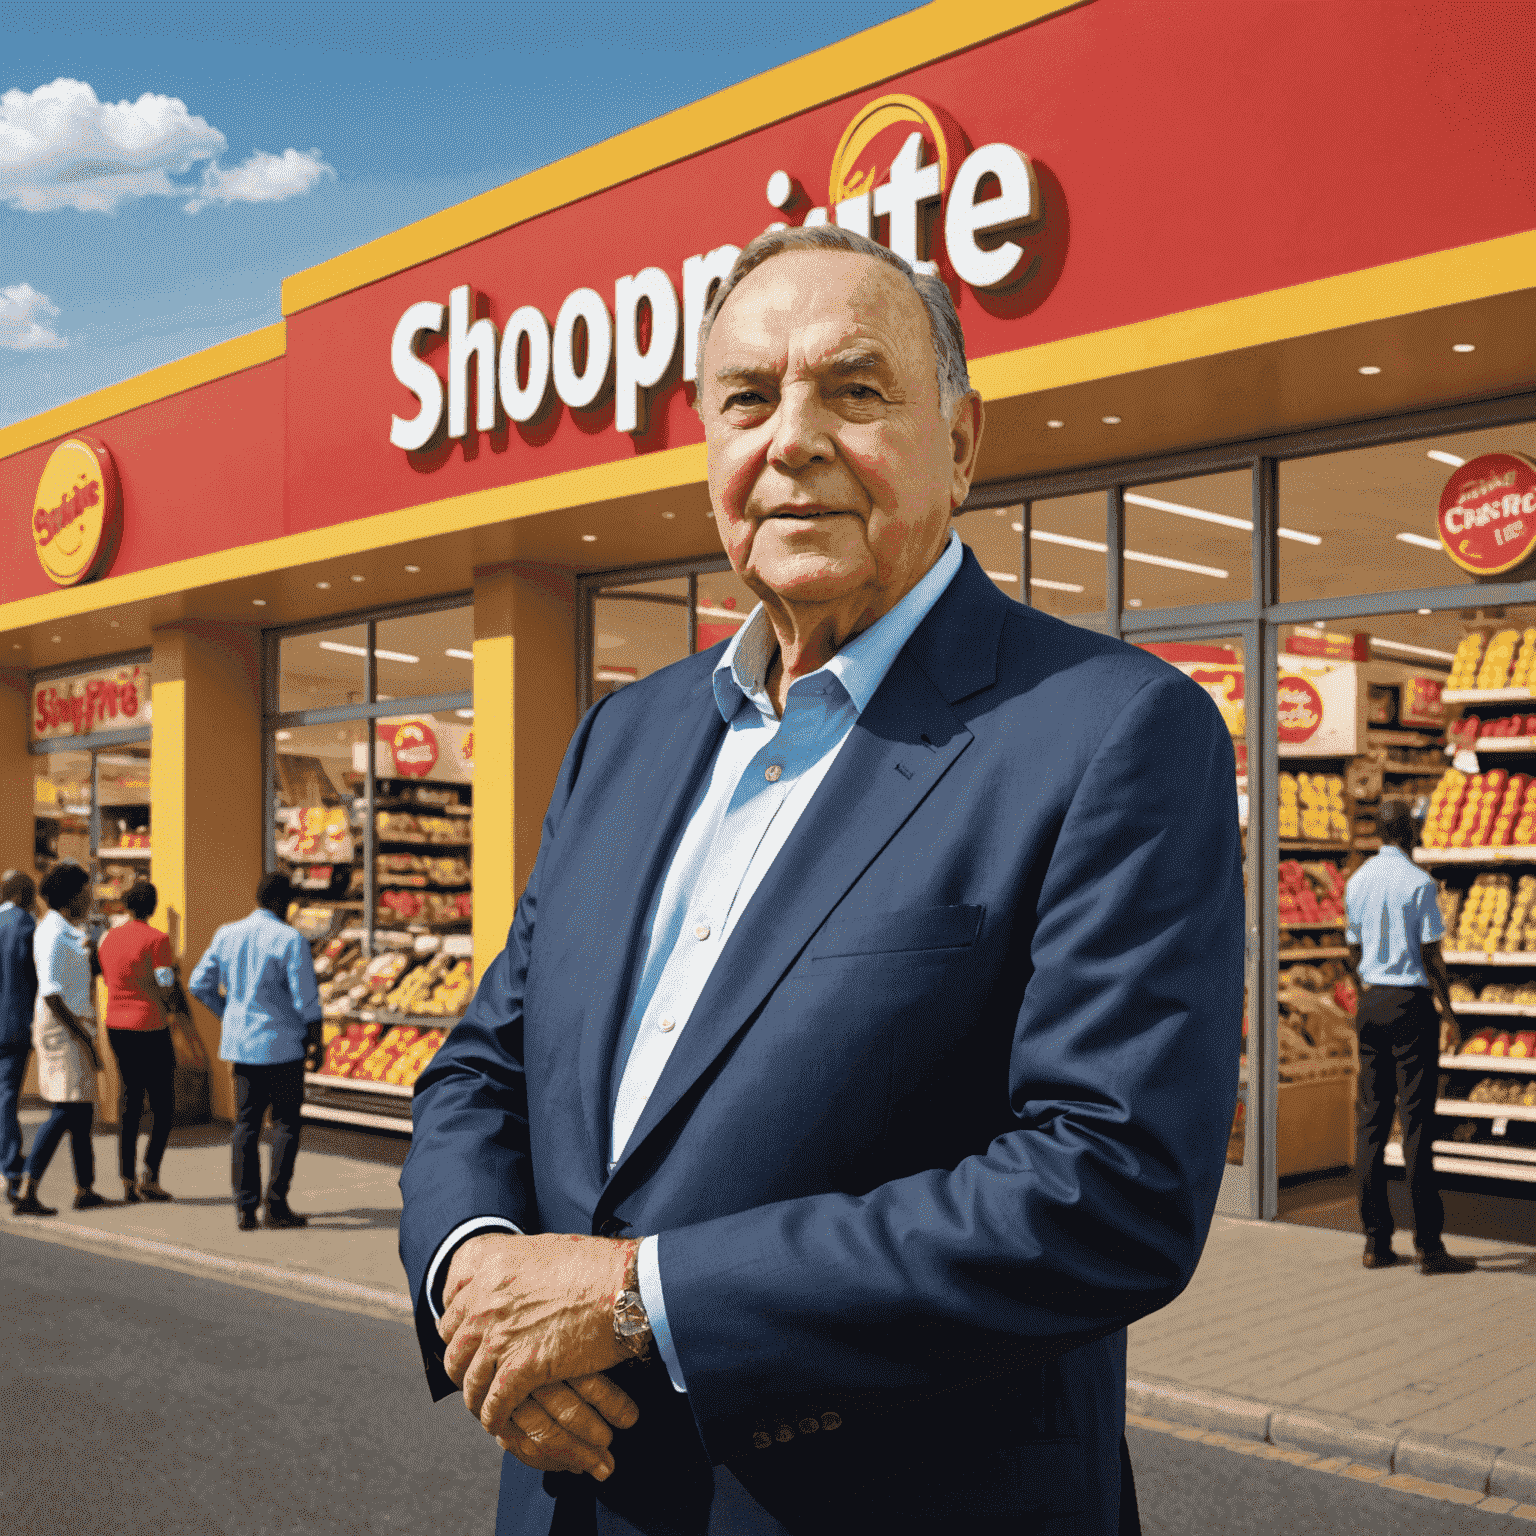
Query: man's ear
(965, 428)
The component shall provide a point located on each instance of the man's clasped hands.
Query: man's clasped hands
(528, 1322)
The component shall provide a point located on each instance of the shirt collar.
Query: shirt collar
(1393, 848)
(7, 906)
(741, 674)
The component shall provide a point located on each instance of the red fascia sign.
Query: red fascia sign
(901, 168)
(413, 746)
(1487, 519)
(118, 700)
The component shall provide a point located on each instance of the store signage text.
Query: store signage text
(593, 352)
(77, 512)
(100, 701)
(414, 748)
(1487, 520)
(1299, 710)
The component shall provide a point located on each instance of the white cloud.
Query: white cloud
(25, 316)
(60, 147)
(263, 178)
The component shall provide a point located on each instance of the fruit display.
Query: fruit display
(1497, 992)
(1471, 729)
(1484, 810)
(1495, 916)
(404, 827)
(349, 1047)
(314, 922)
(1312, 805)
(1315, 1028)
(1465, 663)
(1505, 1090)
(398, 907)
(1311, 893)
(1507, 661)
(314, 834)
(415, 869)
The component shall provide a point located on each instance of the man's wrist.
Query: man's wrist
(631, 1326)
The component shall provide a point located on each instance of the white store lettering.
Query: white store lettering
(629, 350)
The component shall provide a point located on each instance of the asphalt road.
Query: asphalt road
(144, 1402)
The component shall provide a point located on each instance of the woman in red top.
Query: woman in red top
(137, 966)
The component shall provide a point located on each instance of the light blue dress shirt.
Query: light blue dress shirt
(62, 956)
(764, 776)
(258, 978)
(1392, 911)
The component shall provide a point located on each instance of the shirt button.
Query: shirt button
(668, 1025)
(773, 772)
(701, 931)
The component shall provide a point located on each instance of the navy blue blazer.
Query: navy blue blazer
(18, 980)
(950, 1113)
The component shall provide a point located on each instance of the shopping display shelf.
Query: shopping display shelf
(1465, 1109)
(1485, 695)
(1302, 845)
(1332, 953)
(418, 1020)
(340, 1114)
(1498, 1010)
(1482, 957)
(1505, 744)
(1484, 1162)
(1298, 927)
(1510, 853)
(362, 1084)
(1493, 1065)
(423, 842)
(1430, 772)
(122, 853)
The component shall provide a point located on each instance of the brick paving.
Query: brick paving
(1286, 1315)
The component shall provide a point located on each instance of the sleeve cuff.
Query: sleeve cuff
(655, 1305)
(437, 1270)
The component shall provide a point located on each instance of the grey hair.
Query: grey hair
(943, 323)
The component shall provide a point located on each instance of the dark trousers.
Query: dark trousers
(1399, 1068)
(146, 1062)
(13, 1072)
(280, 1087)
(76, 1120)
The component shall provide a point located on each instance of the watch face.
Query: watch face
(629, 1317)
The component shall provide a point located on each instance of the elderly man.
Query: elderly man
(863, 1053)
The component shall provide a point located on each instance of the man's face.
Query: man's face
(832, 470)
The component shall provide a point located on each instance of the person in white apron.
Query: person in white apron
(63, 1035)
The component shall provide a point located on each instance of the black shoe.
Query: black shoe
(30, 1205)
(280, 1215)
(150, 1189)
(88, 1200)
(1442, 1263)
(246, 1221)
(130, 1192)
(1379, 1258)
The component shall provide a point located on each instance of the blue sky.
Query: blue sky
(293, 132)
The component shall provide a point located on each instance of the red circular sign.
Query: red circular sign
(1300, 710)
(1487, 516)
(415, 749)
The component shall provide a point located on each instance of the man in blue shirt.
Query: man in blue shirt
(1394, 937)
(18, 999)
(258, 979)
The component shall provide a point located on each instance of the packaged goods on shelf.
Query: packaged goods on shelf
(1496, 915)
(1514, 1091)
(349, 1047)
(404, 827)
(1311, 892)
(1465, 663)
(313, 921)
(1486, 810)
(1313, 805)
(398, 906)
(1316, 1018)
(383, 971)
(314, 834)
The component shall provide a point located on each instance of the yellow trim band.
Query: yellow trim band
(893, 48)
(1438, 280)
(218, 362)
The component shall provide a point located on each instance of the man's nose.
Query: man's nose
(802, 432)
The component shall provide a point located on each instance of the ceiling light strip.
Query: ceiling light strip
(1420, 541)
(1179, 510)
(1131, 554)
(1411, 650)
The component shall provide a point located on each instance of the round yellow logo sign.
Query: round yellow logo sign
(77, 512)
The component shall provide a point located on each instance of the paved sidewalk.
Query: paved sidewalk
(1282, 1335)
(353, 1207)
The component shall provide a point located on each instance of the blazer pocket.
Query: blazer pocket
(908, 930)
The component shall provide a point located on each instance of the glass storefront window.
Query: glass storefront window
(373, 821)
(1189, 542)
(993, 535)
(322, 670)
(1376, 512)
(637, 630)
(1067, 556)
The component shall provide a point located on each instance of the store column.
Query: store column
(17, 767)
(525, 711)
(205, 797)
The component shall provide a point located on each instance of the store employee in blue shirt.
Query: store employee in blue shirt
(1394, 937)
(258, 979)
(863, 1053)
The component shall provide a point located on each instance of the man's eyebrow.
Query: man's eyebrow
(863, 361)
(743, 375)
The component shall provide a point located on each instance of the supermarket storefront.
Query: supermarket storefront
(374, 559)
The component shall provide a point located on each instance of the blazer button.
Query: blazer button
(762, 1439)
(785, 1434)
(613, 1227)
(831, 1420)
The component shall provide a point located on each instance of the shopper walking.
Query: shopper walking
(259, 980)
(1394, 937)
(18, 998)
(140, 973)
(63, 1034)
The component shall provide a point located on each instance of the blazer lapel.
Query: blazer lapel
(637, 845)
(898, 750)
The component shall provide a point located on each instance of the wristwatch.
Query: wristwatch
(631, 1326)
